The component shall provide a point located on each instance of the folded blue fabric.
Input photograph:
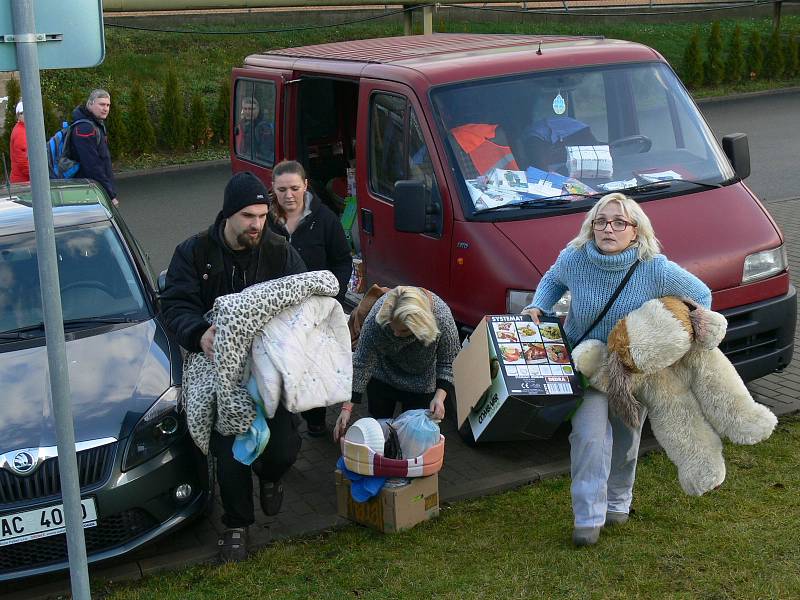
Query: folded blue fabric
(555, 129)
(248, 446)
(362, 487)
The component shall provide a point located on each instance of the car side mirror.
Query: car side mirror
(737, 150)
(162, 281)
(414, 210)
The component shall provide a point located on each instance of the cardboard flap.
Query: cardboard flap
(471, 372)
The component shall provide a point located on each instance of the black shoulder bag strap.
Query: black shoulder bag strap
(611, 300)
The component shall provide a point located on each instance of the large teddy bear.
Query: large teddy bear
(665, 355)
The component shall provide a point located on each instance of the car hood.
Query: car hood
(708, 233)
(114, 377)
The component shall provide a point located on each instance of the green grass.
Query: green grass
(739, 542)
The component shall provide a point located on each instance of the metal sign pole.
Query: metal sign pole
(28, 62)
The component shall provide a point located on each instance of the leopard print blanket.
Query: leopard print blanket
(213, 394)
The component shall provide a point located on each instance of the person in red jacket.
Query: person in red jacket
(20, 171)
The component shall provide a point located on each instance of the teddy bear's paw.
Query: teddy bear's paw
(590, 356)
(697, 478)
(754, 427)
(709, 327)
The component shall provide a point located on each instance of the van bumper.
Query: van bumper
(760, 338)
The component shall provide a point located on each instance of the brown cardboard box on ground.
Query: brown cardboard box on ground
(514, 380)
(395, 508)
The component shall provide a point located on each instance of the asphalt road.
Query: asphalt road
(163, 209)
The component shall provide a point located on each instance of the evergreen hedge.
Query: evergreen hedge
(755, 56)
(715, 65)
(693, 62)
(734, 62)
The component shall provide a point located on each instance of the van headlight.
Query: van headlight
(160, 426)
(516, 300)
(766, 263)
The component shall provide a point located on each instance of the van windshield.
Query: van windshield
(558, 140)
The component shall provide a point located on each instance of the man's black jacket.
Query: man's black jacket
(90, 144)
(203, 268)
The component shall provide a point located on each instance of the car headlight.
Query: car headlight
(766, 263)
(160, 426)
(516, 300)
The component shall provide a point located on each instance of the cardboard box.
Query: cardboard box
(395, 508)
(515, 380)
(593, 162)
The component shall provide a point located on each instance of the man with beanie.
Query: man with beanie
(237, 251)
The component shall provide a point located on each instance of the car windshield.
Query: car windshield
(96, 277)
(558, 140)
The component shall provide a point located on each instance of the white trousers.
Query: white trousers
(603, 455)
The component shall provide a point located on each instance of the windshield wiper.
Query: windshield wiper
(25, 333)
(545, 202)
(97, 321)
(667, 183)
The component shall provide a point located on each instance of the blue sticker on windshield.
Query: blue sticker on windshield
(559, 106)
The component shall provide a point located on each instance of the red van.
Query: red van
(475, 158)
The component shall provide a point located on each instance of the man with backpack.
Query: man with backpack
(89, 141)
(236, 252)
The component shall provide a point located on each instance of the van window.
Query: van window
(397, 147)
(254, 121)
(554, 141)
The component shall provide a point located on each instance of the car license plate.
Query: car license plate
(41, 522)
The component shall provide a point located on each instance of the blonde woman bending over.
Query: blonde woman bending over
(404, 354)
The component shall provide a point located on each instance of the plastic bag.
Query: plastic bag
(416, 432)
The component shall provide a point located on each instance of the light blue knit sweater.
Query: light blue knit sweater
(592, 277)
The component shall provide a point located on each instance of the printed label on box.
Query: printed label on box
(534, 358)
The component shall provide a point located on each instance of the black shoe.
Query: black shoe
(317, 431)
(271, 497)
(233, 545)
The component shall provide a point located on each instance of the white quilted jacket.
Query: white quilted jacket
(302, 356)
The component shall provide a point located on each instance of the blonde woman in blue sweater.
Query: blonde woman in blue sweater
(603, 451)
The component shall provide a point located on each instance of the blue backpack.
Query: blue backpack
(60, 162)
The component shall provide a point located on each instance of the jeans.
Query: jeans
(235, 479)
(603, 455)
(382, 397)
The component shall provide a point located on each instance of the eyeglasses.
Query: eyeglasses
(616, 224)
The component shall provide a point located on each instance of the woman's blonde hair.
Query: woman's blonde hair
(646, 241)
(412, 307)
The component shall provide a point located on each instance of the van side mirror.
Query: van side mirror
(162, 281)
(737, 150)
(414, 211)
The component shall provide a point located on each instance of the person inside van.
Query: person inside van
(404, 355)
(254, 137)
(615, 239)
(315, 232)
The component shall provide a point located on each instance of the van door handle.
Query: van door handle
(366, 221)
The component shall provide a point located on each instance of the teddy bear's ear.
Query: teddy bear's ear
(709, 327)
(621, 400)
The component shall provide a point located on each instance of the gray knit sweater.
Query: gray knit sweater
(405, 363)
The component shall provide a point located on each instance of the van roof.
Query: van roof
(438, 54)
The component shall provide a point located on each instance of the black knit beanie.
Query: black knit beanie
(242, 190)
